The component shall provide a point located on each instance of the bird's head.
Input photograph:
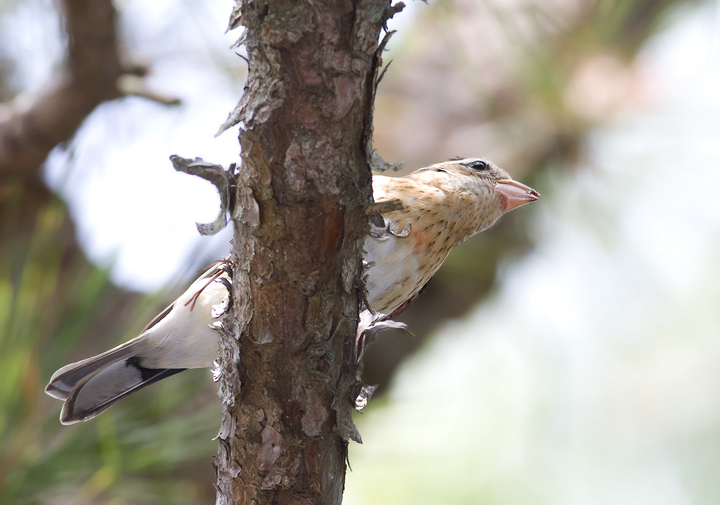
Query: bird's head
(493, 190)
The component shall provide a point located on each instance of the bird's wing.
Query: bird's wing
(103, 388)
(211, 272)
(178, 338)
(64, 380)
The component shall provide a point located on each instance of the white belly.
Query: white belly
(394, 273)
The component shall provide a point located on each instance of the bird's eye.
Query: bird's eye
(478, 165)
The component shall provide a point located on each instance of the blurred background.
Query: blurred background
(568, 356)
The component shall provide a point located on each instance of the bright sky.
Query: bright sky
(131, 208)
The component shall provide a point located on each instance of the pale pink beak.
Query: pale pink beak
(515, 194)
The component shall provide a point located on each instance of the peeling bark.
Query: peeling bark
(302, 191)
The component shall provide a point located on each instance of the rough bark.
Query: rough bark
(302, 190)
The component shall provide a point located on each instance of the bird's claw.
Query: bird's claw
(404, 233)
(370, 324)
(223, 308)
(362, 288)
(380, 228)
(363, 397)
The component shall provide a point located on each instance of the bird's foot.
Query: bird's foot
(223, 272)
(370, 324)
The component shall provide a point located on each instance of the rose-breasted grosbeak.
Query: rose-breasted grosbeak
(441, 206)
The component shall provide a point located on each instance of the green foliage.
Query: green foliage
(136, 452)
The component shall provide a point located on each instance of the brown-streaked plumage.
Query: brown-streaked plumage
(442, 205)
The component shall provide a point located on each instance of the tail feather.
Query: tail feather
(101, 391)
(91, 386)
(64, 380)
(179, 337)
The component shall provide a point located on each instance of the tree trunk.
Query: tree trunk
(302, 191)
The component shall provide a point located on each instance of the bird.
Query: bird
(415, 222)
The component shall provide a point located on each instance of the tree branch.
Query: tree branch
(92, 73)
(28, 132)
